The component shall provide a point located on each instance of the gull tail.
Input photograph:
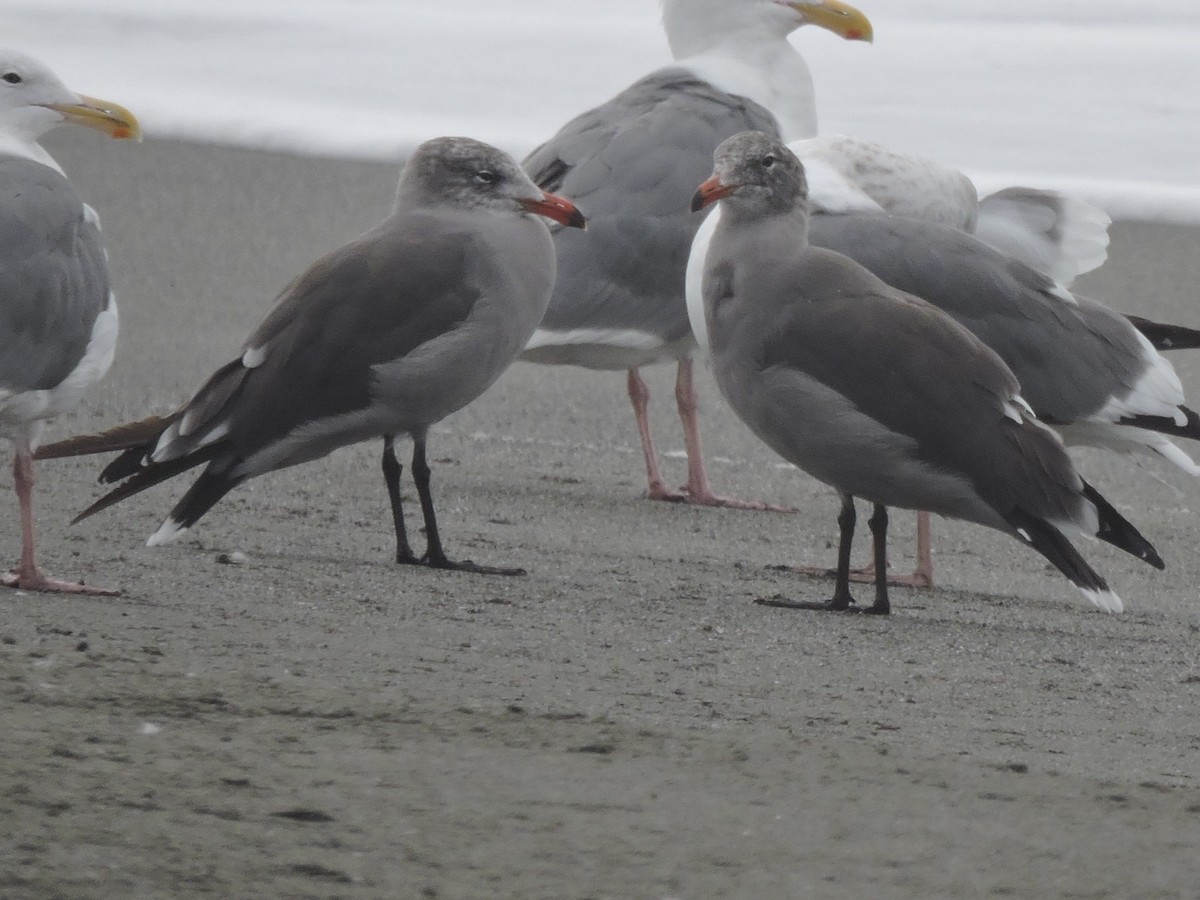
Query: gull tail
(1050, 542)
(1167, 337)
(1115, 529)
(1190, 428)
(146, 477)
(199, 499)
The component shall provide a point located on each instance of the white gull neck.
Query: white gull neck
(20, 130)
(765, 68)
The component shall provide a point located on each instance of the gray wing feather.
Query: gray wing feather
(1069, 357)
(344, 339)
(53, 276)
(632, 166)
(938, 394)
(367, 303)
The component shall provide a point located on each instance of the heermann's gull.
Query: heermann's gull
(1083, 368)
(874, 391)
(632, 162)
(58, 318)
(383, 337)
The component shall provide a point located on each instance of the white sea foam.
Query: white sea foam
(1097, 97)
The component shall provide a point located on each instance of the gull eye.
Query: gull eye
(486, 176)
(13, 78)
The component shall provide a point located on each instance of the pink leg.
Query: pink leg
(922, 576)
(639, 396)
(27, 575)
(699, 491)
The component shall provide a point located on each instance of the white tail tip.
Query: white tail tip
(1105, 600)
(167, 532)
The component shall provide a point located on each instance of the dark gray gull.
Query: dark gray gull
(385, 336)
(633, 162)
(58, 318)
(876, 392)
(1084, 369)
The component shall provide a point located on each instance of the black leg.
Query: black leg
(841, 590)
(879, 524)
(435, 556)
(842, 601)
(391, 477)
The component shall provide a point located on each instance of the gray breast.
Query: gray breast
(54, 278)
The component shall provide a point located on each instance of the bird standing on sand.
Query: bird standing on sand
(58, 317)
(1087, 371)
(383, 337)
(876, 392)
(618, 302)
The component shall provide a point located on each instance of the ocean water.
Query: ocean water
(1098, 97)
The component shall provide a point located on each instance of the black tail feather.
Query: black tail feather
(201, 497)
(147, 478)
(1167, 337)
(1115, 529)
(1164, 425)
(125, 464)
(1050, 542)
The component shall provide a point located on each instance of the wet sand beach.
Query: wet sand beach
(273, 708)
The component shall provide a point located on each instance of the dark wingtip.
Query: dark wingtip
(1115, 529)
(1165, 336)
(1166, 425)
(139, 480)
(1055, 547)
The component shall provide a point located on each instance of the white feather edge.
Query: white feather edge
(694, 279)
(1106, 600)
(168, 531)
(1157, 392)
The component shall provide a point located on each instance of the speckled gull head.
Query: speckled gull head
(756, 176)
(469, 174)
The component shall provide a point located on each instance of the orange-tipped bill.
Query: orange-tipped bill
(710, 192)
(842, 19)
(111, 118)
(557, 208)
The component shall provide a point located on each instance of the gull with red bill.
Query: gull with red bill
(876, 392)
(383, 337)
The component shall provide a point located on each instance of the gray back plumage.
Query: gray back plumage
(632, 164)
(53, 276)
(917, 420)
(1069, 357)
(358, 329)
